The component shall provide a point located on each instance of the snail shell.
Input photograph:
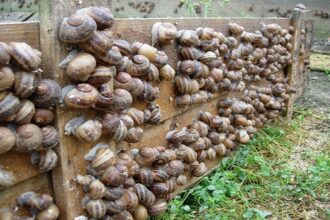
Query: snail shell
(145, 176)
(112, 57)
(89, 131)
(181, 180)
(200, 170)
(130, 182)
(4, 54)
(146, 156)
(205, 33)
(134, 135)
(81, 67)
(7, 78)
(187, 38)
(25, 84)
(124, 47)
(122, 215)
(102, 16)
(104, 99)
(46, 160)
(175, 168)
(51, 213)
(96, 208)
(47, 93)
(103, 158)
(158, 58)
(186, 153)
(211, 154)
(153, 73)
(190, 53)
(140, 213)
(243, 137)
(8, 105)
(116, 206)
(25, 56)
(82, 96)
(101, 75)
(43, 116)
(120, 132)
(7, 139)
(25, 112)
(115, 175)
(99, 43)
(33, 200)
(121, 99)
(183, 100)
(163, 33)
(157, 208)
(185, 85)
(209, 45)
(131, 199)
(128, 121)
(171, 183)
(136, 114)
(176, 136)
(198, 145)
(201, 127)
(28, 138)
(77, 28)
(123, 81)
(50, 137)
(145, 196)
(138, 66)
(150, 93)
(7, 179)
(155, 114)
(220, 149)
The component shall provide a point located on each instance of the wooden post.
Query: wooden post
(68, 196)
(296, 23)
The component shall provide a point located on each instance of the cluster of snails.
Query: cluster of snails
(26, 103)
(118, 127)
(133, 184)
(100, 58)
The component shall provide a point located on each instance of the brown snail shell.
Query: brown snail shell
(25, 56)
(145, 176)
(187, 154)
(116, 206)
(46, 160)
(243, 137)
(115, 175)
(120, 132)
(4, 54)
(123, 81)
(82, 96)
(6, 213)
(47, 93)
(198, 145)
(158, 58)
(101, 75)
(189, 53)
(25, 112)
(89, 131)
(176, 136)
(25, 84)
(155, 114)
(205, 33)
(109, 123)
(163, 33)
(8, 105)
(138, 66)
(102, 16)
(81, 67)
(146, 156)
(140, 213)
(121, 99)
(220, 149)
(134, 135)
(136, 114)
(235, 29)
(128, 120)
(7, 78)
(145, 196)
(201, 127)
(130, 182)
(99, 43)
(112, 57)
(175, 168)
(200, 170)
(181, 180)
(7, 179)
(183, 100)
(96, 208)
(7, 139)
(152, 73)
(28, 138)
(51, 213)
(187, 38)
(43, 116)
(124, 47)
(122, 215)
(185, 85)
(211, 154)
(104, 99)
(150, 93)
(209, 45)
(50, 137)
(103, 158)
(33, 200)
(157, 208)
(114, 193)
(77, 28)
(131, 199)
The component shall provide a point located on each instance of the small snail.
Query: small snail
(102, 16)
(134, 135)
(82, 96)
(33, 200)
(25, 84)
(140, 213)
(121, 99)
(47, 93)
(24, 112)
(51, 213)
(187, 37)
(103, 158)
(157, 208)
(96, 208)
(114, 175)
(124, 47)
(99, 43)
(25, 56)
(158, 58)
(7, 139)
(163, 33)
(81, 67)
(8, 105)
(46, 160)
(145, 196)
(7, 78)
(50, 137)
(28, 138)
(4, 54)
(7, 179)
(43, 116)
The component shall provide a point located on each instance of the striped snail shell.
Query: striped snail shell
(33, 200)
(7, 139)
(103, 158)
(136, 114)
(7, 78)
(134, 135)
(163, 33)
(181, 180)
(145, 176)
(199, 170)
(25, 84)
(24, 112)
(8, 105)
(115, 175)
(50, 137)
(96, 208)
(187, 38)
(131, 199)
(157, 208)
(81, 67)
(46, 159)
(99, 43)
(47, 93)
(114, 193)
(25, 56)
(102, 16)
(82, 96)
(101, 75)
(235, 29)
(121, 99)
(145, 196)
(28, 138)
(51, 213)
(140, 213)
(77, 28)
(43, 116)
(4, 54)
(116, 206)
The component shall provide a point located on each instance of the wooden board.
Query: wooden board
(38, 184)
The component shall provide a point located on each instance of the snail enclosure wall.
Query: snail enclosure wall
(43, 35)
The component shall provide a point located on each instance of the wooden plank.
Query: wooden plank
(38, 184)
(20, 32)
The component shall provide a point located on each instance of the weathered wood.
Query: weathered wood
(38, 184)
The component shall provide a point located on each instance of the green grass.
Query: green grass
(257, 182)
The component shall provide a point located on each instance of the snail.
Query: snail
(28, 138)
(33, 200)
(163, 33)
(140, 213)
(145, 176)
(99, 43)
(187, 38)
(211, 154)
(50, 137)
(136, 114)
(25, 84)
(146, 156)
(121, 99)
(134, 135)
(138, 66)
(77, 28)
(114, 175)
(47, 93)
(96, 208)
(131, 199)
(112, 57)
(4, 54)
(7, 139)
(123, 80)
(124, 47)
(25, 56)
(220, 149)
(46, 160)
(7, 78)
(157, 208)
(103, 158)
(145, 196)
(7, 179)
(153, 112)
(24, 112)
(185, 85)
(102, 16)
(235, 29)
(51, 213)
(43, 116)
(199, 170)
(181, 180)
(8, 105)
(189, 53)
(158, 58)
(153, 73)
(82, 96)
(81, 67)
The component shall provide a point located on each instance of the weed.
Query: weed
(257, 182)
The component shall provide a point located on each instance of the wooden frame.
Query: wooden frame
(43, 35)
